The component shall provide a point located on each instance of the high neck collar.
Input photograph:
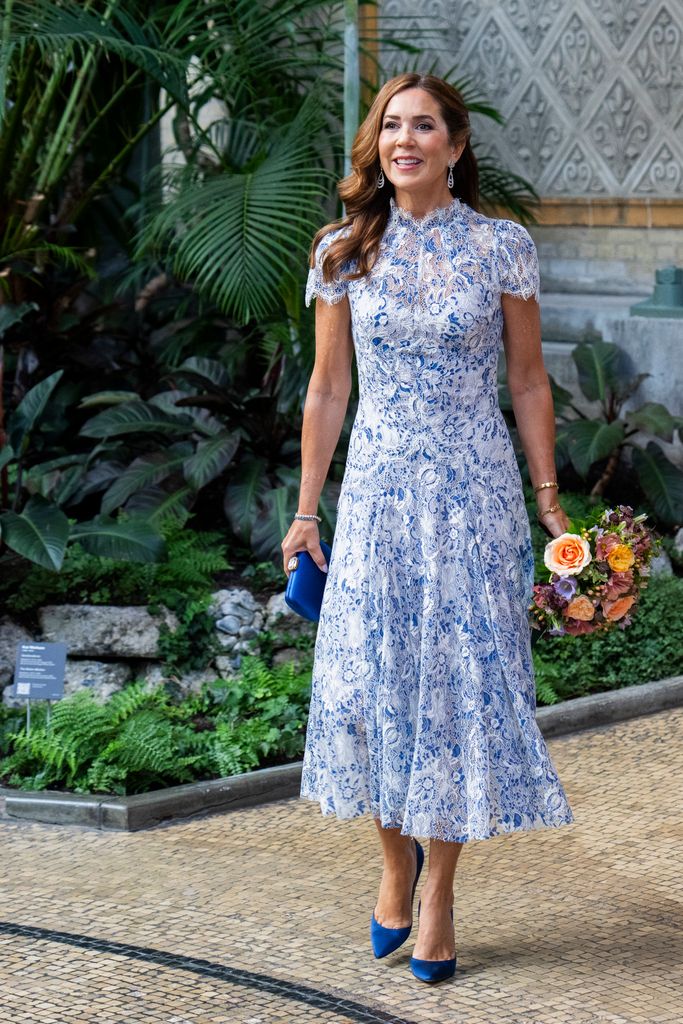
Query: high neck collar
(438, 216)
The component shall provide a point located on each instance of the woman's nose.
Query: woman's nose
(405, 134)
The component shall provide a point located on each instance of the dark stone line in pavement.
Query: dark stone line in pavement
(207, 968)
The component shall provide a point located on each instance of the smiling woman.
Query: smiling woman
(423, 693)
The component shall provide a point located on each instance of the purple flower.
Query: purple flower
(565, 586)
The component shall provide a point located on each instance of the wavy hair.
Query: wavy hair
(367, 207)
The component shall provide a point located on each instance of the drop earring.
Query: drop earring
(450, 175)
(380, 179)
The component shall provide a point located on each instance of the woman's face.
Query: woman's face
(414, 148)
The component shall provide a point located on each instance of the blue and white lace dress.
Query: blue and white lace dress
(423, 702)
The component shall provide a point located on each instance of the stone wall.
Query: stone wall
(592, 94)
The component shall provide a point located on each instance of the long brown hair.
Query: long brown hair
(367, 207)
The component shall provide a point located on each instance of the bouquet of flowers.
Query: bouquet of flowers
(597, 574)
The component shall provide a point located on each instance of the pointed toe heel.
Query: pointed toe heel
(432, 970)
(386, 940)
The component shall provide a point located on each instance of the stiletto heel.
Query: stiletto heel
(386, 940)
(432, 970)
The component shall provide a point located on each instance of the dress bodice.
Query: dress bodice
(427, 322)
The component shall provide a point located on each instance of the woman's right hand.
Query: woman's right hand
(303, 535)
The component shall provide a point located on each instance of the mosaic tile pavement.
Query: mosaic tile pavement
(262, 915)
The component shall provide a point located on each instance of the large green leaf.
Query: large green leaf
(143, 472)
(159, 506)
(40, 533)
(662, 482)
(210, 458)
(108, 398)
(273, 522)
(29, 411)
(10, 315)
(131, 540)
(242, 233)
(205, 371)
(247, 488)
(654, 418)
(598, 364)
(588, 441)
(134, 418)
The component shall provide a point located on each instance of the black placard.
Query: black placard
(39, 672)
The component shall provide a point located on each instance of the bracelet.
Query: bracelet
(548, 483)
(301, 515)
(553, 508)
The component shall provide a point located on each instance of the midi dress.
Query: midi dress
(423, 697)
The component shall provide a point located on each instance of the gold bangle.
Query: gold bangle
(548, 483)
(553, 508)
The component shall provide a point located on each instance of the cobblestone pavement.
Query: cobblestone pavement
(262, 915)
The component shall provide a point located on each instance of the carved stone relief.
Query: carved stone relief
(592, 91)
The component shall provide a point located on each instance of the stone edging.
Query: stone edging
(145, 810)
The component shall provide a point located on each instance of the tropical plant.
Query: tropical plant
(142, 739)
(37, 528)
(587, 442)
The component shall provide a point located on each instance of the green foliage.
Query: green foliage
(594, 445)
(192, 559)
(142, 739)
(650, 648)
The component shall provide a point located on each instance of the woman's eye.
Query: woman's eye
(424, 125)
(390, 124)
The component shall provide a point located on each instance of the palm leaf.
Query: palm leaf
(29, 411)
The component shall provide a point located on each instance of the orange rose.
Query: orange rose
(620, 558)
(567, 554)
(617, 609)
(580, 607)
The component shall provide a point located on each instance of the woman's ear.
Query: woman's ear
(458, 151)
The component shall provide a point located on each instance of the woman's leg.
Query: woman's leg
(400, 864)
(435, 934)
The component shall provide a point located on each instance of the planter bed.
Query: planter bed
(145, 810)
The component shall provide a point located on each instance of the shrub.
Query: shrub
(141, 739)
(650, 648)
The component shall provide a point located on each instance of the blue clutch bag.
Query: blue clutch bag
(305, 584)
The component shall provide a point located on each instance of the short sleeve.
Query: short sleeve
(517, 260)
(330, 291)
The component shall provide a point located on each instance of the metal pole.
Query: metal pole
(28, 716)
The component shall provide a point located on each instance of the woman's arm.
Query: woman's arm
(532, 401)
(327, 399)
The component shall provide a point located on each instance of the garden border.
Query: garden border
(146, 810)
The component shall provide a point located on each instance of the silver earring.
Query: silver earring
(380, 179)
(450, 175)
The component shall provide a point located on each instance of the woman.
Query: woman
(423, 702)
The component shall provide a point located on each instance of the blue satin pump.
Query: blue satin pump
(432, 970)
(386, 940)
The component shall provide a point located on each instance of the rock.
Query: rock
(229, 624)
(280, 616)
(101, 630)
(661, 565)
(248, 633)
(228, 667)
(287, 654)
(183, 684)
(238, 602)
(102, 677)
(11, 635)
(678, 541)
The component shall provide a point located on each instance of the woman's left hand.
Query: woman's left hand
(555, 523)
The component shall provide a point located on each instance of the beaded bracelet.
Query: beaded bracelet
(301, 515)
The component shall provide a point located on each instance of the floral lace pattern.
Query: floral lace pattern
(423, 700)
